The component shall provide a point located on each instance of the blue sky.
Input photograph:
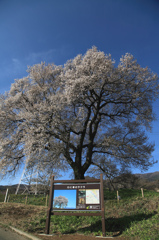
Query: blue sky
(32, 31)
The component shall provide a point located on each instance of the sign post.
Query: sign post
(47, 228)
(89, 198)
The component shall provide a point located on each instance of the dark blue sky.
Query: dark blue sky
(32, 31)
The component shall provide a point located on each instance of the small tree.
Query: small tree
(60, 201)
(86, 114)
(126, 180)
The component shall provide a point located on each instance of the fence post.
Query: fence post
(46, 200)
(5, 199)
(142, 192)
(26, 198)
(118, 197)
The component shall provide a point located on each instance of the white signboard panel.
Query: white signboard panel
(92, 196)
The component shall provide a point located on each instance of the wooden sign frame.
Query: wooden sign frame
(88, 184)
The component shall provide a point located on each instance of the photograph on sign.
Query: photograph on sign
(64, 199)
(82, 196)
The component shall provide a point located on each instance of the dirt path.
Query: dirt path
(77, 237)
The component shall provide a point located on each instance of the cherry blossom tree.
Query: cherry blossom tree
(88, 115)
(60, 202)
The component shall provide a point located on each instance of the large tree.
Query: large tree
(89, 112)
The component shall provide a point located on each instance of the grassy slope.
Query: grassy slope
(132, 217)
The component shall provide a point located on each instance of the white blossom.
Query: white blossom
(87, 112)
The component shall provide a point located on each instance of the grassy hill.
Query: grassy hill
(133, 217)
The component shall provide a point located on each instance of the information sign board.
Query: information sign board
(76, 197)
(71, 197)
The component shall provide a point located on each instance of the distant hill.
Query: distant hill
(149, 176)
(149, 180)
(12, 188)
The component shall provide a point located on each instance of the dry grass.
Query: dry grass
(18, 215)
(23, 216)
(130, 218)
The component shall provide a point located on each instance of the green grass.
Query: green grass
(146, 229)
(125, 194)
(71, 224)
(39, 200)
(2, 196)
(133, 217)
(137, 219)
(128, 194)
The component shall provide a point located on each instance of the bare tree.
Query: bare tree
(86, 115)
(60, 201)
(126, 180)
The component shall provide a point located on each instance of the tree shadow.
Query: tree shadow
(117, 225)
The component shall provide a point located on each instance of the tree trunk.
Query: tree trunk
(78, 173)
(78, 168)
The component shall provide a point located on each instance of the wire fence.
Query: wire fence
(110, 197)
(40, 200)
